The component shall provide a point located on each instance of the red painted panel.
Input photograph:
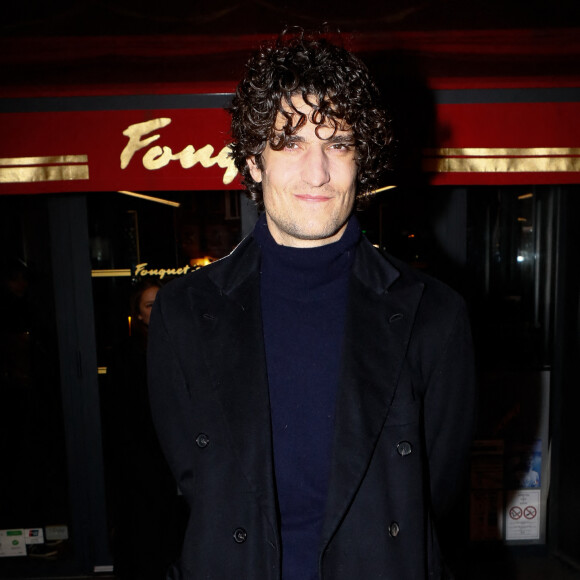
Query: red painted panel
(509, 125)
(99, 135)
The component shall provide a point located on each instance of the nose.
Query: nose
(315, 169)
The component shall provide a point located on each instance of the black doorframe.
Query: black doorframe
(79, 381)
(563, 502)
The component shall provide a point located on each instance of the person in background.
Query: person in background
(314, 398)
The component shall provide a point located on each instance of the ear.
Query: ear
(255, 171)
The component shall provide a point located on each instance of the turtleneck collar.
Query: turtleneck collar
(293, 271)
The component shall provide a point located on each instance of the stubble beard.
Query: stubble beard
(293, 229)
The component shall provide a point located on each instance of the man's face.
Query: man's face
(309, 186)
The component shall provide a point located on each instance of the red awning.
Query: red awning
(504, 108)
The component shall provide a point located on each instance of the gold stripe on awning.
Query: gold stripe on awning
(50, 160)
(502, 160)
(124, 272)
(48, 168)
(43, 173)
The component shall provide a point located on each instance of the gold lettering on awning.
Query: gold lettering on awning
(142, 270)
(157, 156)
(49, 168)
(502, 160)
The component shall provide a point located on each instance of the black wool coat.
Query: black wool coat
(403, 425)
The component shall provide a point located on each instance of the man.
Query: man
(314, 398)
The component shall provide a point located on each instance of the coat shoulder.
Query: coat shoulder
(398, 277)
(435, 289)
(219, 276)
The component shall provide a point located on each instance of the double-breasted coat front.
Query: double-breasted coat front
(403, 420)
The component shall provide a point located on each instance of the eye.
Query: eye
(341, 146)
(291, 145)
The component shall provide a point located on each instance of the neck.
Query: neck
(284, 239)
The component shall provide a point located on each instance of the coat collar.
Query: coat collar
(370, 267)
(231, 273)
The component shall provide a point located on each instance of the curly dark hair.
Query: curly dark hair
(329, 78)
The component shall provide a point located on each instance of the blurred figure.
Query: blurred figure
(145, 506)
(141, 302)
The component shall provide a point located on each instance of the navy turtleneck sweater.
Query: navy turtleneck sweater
(304, 298)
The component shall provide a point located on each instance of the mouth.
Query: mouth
(313, 198)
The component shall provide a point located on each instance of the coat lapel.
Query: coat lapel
(378, 329)
(236, 359)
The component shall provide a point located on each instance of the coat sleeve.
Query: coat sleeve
(449, 415)
(169, 397)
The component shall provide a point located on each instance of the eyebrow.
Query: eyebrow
(346, 139)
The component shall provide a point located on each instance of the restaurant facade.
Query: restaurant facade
(107, 181)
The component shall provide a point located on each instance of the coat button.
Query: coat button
(240, 535)
(202, 440)
(404, 448)
(394, 529)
